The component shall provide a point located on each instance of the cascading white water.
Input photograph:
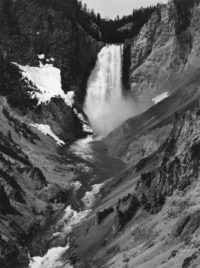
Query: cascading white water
(106, 108)
(105, 105)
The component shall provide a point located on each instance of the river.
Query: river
(106, 108)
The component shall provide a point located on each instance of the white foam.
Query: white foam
(83, 149)
(51, 260)
(47, 80)
(47, 131)
(77, 185)
(91, 196)
(160, 97)
(72, 218)
(105, 104)
(86, 127)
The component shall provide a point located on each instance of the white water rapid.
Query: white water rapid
(106, 108)
(105, 104)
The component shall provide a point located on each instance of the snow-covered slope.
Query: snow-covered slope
(47, 131)
(46, 83)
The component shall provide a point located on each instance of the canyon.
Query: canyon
(99, 142)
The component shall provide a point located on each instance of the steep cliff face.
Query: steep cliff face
(42, 35)
(31, 28)
(36, 183)
(149, 216)
(163, 58)
(179, 163)
(165, 51)
(149, 213)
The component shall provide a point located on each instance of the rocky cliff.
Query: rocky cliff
(149, 213)
(166, 51)
(149, 216)
(163, 58)
(42, 34)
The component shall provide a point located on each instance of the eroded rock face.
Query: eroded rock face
(60, 117)
(177, 168)
(4, 201)
(28, 196)
(179, 163)
(187, 225)
(125, 211)
(101, 215)
(9, 253)
(166, 51)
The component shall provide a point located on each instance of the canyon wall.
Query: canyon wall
(166, 50)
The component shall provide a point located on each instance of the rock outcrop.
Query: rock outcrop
(179, 163)
(166, 51)
(33, 31)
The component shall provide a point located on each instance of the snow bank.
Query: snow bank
(47, 80)
(160, 97)
(47, 131)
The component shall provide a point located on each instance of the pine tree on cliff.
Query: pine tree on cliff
(98, 20)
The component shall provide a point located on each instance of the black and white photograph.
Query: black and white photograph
(99, 133)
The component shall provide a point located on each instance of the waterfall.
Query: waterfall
(105, 104)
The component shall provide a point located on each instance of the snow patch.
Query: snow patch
(90, 197)
(47, 80)
(160, 97)
(86, 127)
(41, 57)
(47, 131)
(79, 115)
(50, 60)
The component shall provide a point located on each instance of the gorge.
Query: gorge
(99, 136)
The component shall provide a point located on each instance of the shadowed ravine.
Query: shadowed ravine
(99, 136)
(97, 167)
(106, 108)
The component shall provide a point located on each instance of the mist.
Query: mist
(105, 104)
